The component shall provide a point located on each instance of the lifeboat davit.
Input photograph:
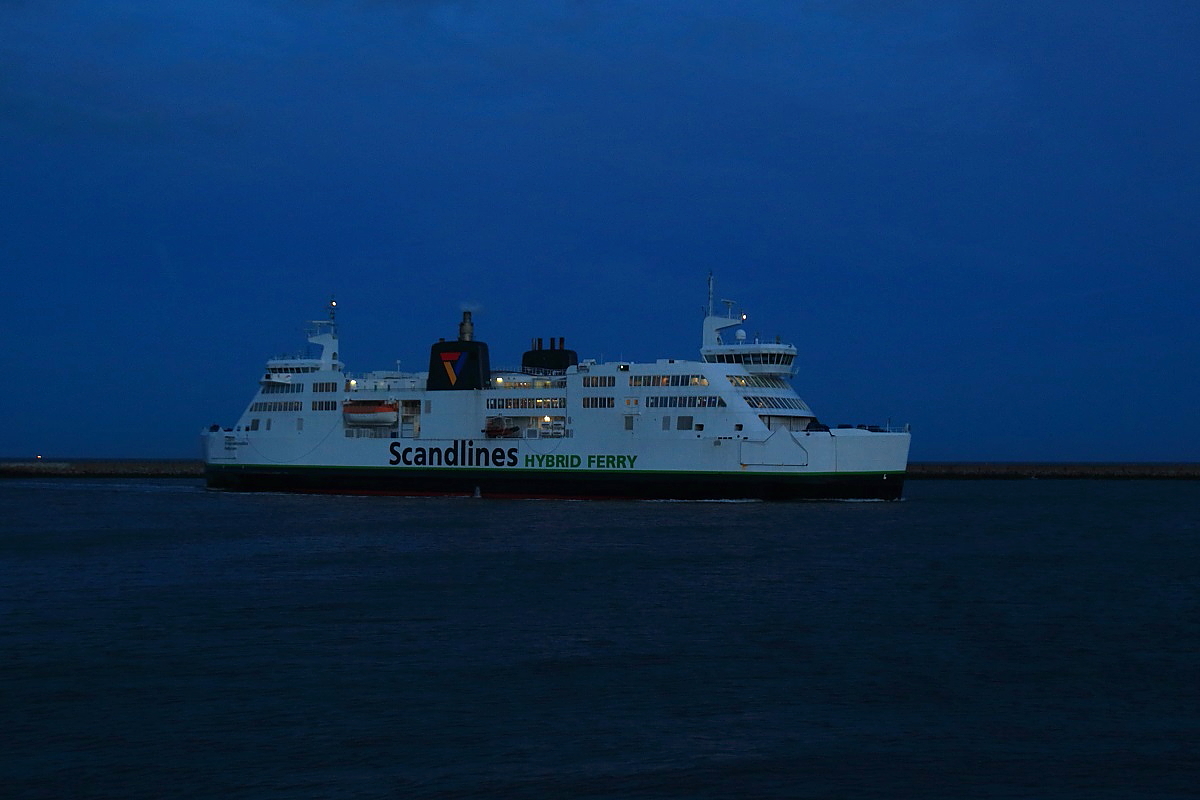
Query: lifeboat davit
(370, 412)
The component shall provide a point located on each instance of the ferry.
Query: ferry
(728, 426)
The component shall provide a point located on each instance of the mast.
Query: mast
(713, 324)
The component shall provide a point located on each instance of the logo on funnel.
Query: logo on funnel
(453, 362)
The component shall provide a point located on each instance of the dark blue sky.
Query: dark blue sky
(977, 218)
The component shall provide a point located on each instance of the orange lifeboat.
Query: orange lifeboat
(500, 428)
(370, 412)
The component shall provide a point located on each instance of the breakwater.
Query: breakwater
(961, 470)
(958, 470)
(103, 468)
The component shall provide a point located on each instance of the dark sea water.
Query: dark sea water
(1017, 639)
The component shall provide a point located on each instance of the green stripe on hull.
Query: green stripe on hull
(642, 484)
